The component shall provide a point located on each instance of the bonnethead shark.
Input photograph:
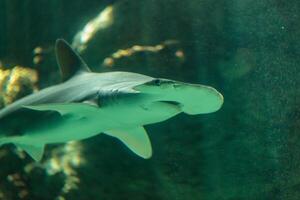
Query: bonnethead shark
(86, 104)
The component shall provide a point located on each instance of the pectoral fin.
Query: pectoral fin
(65, 108)
(35, 151)
(136, 139)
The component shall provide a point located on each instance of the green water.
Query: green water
(246, 49)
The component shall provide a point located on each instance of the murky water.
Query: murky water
(247, 50)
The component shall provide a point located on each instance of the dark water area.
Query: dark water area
(248, 50)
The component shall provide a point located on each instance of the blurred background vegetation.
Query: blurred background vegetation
(248, 50)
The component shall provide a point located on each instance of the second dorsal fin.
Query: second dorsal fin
(70, 63)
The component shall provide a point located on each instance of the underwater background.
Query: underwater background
(247, 49)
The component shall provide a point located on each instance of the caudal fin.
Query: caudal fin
(35, 151)
(4, 140)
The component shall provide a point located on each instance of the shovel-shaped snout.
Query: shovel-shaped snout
(192, 98)
(197, 99)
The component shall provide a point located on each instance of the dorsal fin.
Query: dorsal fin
(70, 63)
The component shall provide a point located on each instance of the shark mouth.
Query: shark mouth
(174, 103)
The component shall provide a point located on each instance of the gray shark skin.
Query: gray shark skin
(86, 104)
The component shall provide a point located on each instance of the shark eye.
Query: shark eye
(157, 82)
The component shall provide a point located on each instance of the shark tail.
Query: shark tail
(8, 139)
(4, 140)
(35, 151)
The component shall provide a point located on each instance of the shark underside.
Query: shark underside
(85, 104)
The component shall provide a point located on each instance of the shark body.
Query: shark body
(118, 104)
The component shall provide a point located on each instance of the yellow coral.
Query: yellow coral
(16, 83)
(110, 61)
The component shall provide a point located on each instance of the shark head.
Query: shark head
(191, 98)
